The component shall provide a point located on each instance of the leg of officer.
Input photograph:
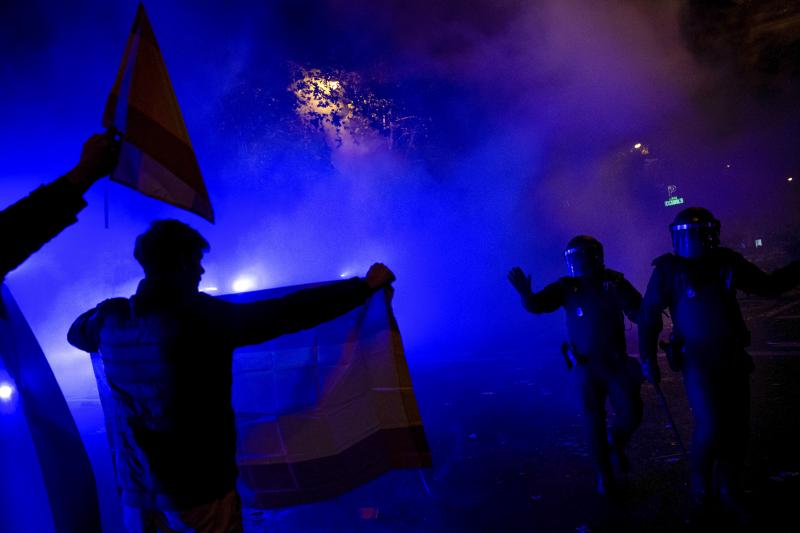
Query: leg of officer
(735, 433)
(624, 393)
(593, 392)
(703, 397)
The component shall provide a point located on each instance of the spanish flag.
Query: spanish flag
(157, 158)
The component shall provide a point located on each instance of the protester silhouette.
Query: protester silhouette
(167, 353)
(595, 299)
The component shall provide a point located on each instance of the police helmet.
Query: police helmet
(584, 256)
(695, 233)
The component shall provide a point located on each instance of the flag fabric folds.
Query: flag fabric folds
(322, 411)
(63, 463)
(157, 158)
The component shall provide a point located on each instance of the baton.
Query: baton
(665, 407)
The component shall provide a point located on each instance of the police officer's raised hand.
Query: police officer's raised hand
(651, 371)
(98, 159)
(520, 281)
(379, 276)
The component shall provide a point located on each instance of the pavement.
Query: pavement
(505, 431)
(509, 455)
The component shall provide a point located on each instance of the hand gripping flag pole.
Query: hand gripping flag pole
(157, 158)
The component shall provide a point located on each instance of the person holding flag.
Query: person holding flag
(36, 219)
(167, 354)
(25, 227)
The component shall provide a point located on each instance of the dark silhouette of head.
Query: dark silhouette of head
(171, 249)
(695, 233)
(584, 257)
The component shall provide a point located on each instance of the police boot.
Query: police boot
(731, 492)
(735, 506)
(619, 459)
(701, 516)
(605, 484)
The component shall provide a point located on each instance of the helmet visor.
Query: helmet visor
(695, 239)
(583, 261)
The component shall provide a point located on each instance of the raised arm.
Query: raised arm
(257, 322)
(32, 221)
(547, 300)
(753, 280)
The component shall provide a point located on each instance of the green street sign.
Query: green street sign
(673, 200)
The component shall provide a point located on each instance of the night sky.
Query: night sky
(484, 135)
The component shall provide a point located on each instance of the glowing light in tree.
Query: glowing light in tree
(347, 111)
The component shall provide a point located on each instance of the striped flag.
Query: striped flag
(322, 411)
(157, 158)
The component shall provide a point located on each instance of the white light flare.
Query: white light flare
(6, 391)
(243, 284)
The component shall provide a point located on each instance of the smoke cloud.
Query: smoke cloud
(482, 135)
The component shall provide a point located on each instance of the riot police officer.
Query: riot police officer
(595, 299)
(698, 283)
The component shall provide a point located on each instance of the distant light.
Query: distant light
(758, 243)
(637, 146)
(728, 165)
(6, 391)
(243, 284)
(790, 178)
(209, 289)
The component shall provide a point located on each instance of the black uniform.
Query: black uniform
(701, 295)
(596, 328)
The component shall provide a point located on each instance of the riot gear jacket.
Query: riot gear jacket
(594, 309)
(701, 296)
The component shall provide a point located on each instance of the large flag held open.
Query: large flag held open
(321, 411)
(324, 410)
(157, 157)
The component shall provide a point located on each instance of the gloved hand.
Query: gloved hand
(520, 281)
(651, 371)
